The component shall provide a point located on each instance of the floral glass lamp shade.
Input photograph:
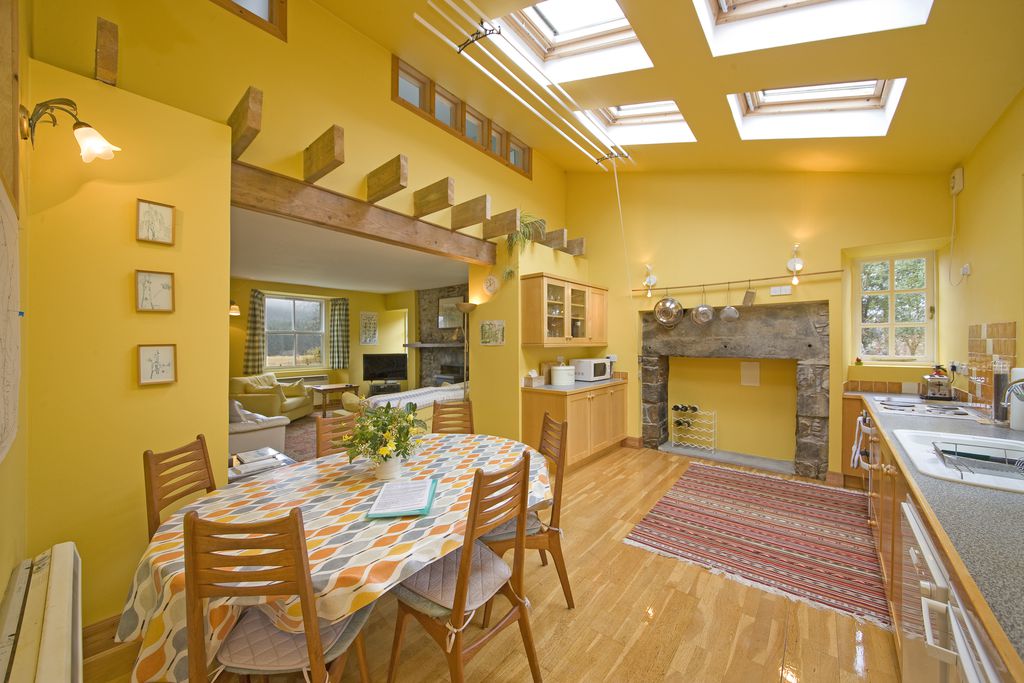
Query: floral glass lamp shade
(92, 144)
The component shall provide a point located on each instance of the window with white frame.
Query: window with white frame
(295, 332)
(560, 28)
(894, 309)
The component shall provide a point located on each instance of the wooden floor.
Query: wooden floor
(644, 617)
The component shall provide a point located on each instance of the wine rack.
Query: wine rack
(693, 427)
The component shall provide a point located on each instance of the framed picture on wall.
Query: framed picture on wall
(154, 222)
(447, 315)
(492, 333)
(158, 364)
(368, 328)
(154, 291)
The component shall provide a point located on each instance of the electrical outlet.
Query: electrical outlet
(965, 269)
(956, 181)
(781, 290)
(612, 357)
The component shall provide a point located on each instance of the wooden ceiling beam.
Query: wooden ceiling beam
(473, 212)
(246, 120)
(324, 154)
(556, 239)
(385, 180)
(267, 192)
(576, 247)
(501, 224)
(434, 197)
(106, 51)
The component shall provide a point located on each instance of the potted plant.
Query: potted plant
(530, 229)
(386, 436)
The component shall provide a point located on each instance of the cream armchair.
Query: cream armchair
(256, 394)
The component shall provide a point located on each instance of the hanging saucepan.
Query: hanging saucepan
(703, 314)
(728, 314)
(668, 312)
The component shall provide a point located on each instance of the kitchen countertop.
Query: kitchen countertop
(577, 386)
(986, 526)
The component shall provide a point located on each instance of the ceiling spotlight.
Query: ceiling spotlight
(650, 280)
(92, 144)
(795, 264)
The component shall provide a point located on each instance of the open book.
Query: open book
(403, 498)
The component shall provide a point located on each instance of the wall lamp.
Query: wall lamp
(795, 265)
(233, 309)
(92, 144)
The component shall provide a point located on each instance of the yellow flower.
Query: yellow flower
(410, 417)
(391, 446)
(385, 450)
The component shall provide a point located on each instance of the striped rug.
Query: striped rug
(806, 541)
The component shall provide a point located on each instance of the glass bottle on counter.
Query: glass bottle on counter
(1000, 380)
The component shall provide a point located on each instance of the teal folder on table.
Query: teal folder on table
(418, 512)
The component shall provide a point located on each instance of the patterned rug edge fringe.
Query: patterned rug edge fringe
(860, 618)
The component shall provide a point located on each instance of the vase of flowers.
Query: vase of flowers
(386, 436)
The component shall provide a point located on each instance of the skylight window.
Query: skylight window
(823, 97)
(644, 123)
(554, 29)
(851, 109)
(736, 26)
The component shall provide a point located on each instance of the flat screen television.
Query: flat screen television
(385, 366)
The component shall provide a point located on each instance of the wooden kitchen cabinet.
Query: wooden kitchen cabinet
(558, 312)
(596, 417)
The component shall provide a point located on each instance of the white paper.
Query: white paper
(257, 455)
(401, 496)
(258, 466)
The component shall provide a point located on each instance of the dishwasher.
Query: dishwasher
(940, 641)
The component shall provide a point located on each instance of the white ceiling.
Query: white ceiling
(278, 249)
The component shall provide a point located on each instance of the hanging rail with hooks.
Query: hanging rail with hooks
(725, 283)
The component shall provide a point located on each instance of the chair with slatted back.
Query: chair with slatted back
(453, 417)
(173, 475)
(444, 595)
(265, 559)
(331, 432)
(540, 536)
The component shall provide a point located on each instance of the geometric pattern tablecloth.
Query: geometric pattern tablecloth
(353, 560)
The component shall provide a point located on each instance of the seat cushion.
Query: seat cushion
(256, 645)
(436, 582)
(508, 529)
(294, 403)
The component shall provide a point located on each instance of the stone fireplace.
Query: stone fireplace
(797, 332)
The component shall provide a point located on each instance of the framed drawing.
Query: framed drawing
(492, 333)
(158, 364)
(154, 291)
(368, 328)
(154, 222)
(447, 315)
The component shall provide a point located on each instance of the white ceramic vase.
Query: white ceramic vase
(389, 469)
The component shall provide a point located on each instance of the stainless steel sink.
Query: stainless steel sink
(975, 460)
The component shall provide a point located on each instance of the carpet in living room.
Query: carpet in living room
(300, 438)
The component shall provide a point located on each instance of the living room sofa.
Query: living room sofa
(263, 394)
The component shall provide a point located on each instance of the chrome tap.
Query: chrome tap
(1016, 388)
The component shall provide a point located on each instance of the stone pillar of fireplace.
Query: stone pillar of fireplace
(654, 399)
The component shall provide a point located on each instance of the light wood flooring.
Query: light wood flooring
(644, 617)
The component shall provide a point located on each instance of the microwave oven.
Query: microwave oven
(592, 369)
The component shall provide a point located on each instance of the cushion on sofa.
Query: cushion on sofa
(351, 402)
(275, 389)
(295, 388)
(294, 403)
(235, 412)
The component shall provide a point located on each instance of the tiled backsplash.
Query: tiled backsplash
(881, 387)
(986, 344)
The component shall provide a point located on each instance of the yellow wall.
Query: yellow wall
(990, 237)
(88, 419)
(757, 420)
(711, 227)
(391, 330)
(198, 57)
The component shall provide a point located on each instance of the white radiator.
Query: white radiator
(310, 379)
(41, 619)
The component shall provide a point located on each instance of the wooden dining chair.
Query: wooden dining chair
(444, 595)
(172, 475)
(220, 563)
(540, 536)
(453, 417)
(331, 432)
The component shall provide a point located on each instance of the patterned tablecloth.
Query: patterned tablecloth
(353, 560)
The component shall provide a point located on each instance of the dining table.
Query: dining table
(353, 560)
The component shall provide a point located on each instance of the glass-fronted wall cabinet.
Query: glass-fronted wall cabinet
(558, 312)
